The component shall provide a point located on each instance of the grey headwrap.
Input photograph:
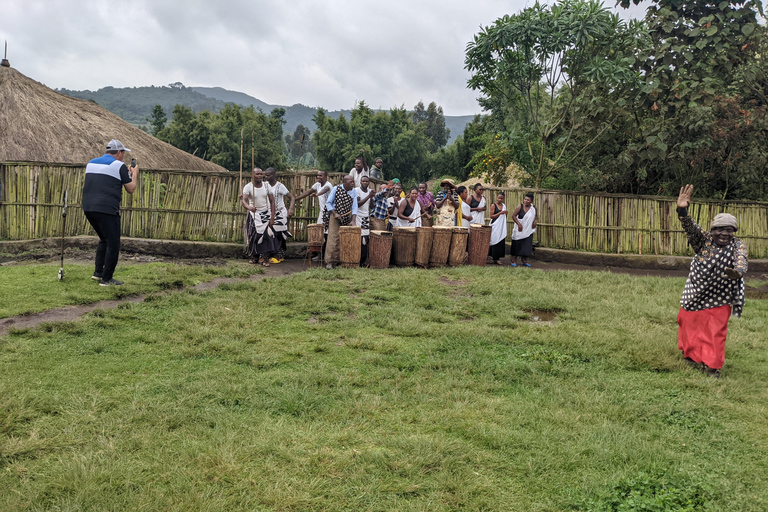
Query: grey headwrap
(724, 220)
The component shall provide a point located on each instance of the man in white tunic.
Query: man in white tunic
(359, 171)
(260, 204)
(342, 211)
(321, 189)
(364, 199)
(279, 191)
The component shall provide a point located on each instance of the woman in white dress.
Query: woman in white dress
(409, 213)
(498, 229)
(477, 205)
(524, 217)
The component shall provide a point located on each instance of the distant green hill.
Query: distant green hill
(134, 104)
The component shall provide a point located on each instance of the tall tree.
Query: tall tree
(432, 121)
(216, 137)
(389, 135)
(696, 45)
(299, 143)
(545, 59)
(157, 119)
(696, 70)
(177, 133)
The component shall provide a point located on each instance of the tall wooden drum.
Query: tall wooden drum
(441, 246)
(423, 246)
(479, 244)
(458, 251)
(349, 246)
(404, 246)
(379, 249)
(315, 235)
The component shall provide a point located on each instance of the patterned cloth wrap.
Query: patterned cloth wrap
(343, 203)
(706, 287)
(279, 191)
(365, 226)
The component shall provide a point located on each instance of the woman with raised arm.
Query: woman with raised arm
(714, 290)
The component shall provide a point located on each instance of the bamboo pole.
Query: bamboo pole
(240, 188)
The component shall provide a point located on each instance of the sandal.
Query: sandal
(264, 263)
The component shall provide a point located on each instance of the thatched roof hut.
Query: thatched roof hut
(38, 124)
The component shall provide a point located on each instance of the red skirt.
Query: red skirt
(702, 334)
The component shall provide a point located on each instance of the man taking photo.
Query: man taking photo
(105, 178)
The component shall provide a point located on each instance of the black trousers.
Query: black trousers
(364, 249)
(108, 228)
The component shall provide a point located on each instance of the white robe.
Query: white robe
(363, 218)
(527, 223)
(322, 198)
(479, 217)
(415, 214)
(281, 212)
(465, 210)
(499, 227)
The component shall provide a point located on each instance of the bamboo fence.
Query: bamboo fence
(616, 223)
(204, 206)
(167, 204)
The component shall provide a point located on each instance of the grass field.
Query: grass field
(35, 288)
(386, 390)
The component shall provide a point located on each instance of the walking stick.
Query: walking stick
(63, 227)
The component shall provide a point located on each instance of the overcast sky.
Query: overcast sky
(327, 54)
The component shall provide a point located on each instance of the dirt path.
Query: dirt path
(69, 313)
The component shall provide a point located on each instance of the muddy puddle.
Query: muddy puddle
(541, 316)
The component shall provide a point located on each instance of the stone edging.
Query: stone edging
(191, 249)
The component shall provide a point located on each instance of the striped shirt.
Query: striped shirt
(103, 189)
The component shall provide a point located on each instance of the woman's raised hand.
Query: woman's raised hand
(684, 199)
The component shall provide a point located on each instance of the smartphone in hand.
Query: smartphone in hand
(133, 162)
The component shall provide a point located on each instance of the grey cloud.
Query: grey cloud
(329, 53)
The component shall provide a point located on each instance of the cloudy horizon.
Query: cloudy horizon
(331, 54)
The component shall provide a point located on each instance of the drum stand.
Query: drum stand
(314, 248)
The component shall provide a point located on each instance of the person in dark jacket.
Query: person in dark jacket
(105, 178)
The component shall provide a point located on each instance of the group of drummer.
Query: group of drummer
(355, 203)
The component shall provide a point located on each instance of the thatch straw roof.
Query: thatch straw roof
(38, 124)
(471, 182)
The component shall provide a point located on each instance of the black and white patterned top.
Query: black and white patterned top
(706, 287)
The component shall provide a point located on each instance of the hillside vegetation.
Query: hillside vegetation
(135, 104)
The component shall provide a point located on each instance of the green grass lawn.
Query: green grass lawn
(35, 288)
(386, 390)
